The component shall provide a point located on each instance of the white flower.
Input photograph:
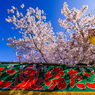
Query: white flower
(68, 30)
(12, 27)
(42, 11)
(18, 15)
(22, 6)
(2, 39)
(43, 17)
(12, 11)
(8, 20)
(14, 37)
(8, 10)
(13, 7)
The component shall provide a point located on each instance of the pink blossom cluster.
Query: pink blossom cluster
(40, 44)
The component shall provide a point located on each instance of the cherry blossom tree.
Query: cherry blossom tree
(37, 35)
(79, 27)
(40, 44)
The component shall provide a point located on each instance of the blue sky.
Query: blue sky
(52, 8)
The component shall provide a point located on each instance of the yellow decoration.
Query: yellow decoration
(22, 62)
(91, 38)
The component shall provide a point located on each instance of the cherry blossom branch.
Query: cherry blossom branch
(39, 49)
